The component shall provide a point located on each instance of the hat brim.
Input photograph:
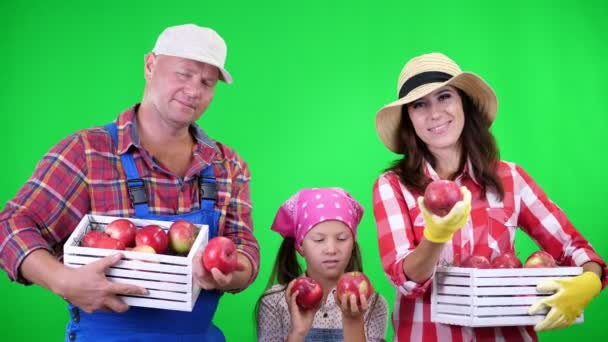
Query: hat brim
(224, 74)
(388, 119)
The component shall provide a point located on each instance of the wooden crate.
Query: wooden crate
(168, 278)
(491, 297)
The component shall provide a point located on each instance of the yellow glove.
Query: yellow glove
(440, 229)
(571, 297)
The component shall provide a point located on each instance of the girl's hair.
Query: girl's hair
(478, 145)
(287, 268)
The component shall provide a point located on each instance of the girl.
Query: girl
(321, 225)
(441, 124)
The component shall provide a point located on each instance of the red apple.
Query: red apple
(506, 260)
(109, 243)
(92, 238)
(153, 236)
(181, 236)
(220, 253)
(354, 283)
(122, 230)
(476, 261)
(540, 259)
(310, 292)
(440, 196)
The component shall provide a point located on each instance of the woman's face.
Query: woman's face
(438, 119)
(327, 249)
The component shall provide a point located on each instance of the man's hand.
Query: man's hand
(214, 279)
(88, 288)
(441, 229)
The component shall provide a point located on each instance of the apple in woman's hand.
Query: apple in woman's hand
(440, 196)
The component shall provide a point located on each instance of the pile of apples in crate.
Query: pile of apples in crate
(538, 259)
(122, 234)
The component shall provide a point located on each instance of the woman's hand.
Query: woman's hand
(441, 229)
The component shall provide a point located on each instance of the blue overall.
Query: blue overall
(324, 335)
(146, 324)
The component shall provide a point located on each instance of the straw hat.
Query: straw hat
(421, 76)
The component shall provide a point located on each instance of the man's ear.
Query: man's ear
(149, 63)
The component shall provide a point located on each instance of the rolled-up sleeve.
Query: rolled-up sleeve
(549, 226)
(239, 224)
(395, 232)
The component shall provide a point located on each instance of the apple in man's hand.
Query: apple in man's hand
(440, 196)
(220, 253)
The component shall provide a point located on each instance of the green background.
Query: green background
(309, 78)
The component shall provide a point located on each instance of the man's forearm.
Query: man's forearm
(42, 268)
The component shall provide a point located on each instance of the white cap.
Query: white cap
(194, 42)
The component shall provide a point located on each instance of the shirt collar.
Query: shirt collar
(468, 171)
(128, 136)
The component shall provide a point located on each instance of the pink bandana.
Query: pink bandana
(309, 207)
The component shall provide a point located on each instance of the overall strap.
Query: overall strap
(135, 185)
(208, 188)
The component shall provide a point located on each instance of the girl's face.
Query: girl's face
(438, 119)
(327, 248)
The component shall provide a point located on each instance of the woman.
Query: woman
(441, 126)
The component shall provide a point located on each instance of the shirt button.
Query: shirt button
(72, 336)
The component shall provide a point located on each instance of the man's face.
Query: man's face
(179, 89)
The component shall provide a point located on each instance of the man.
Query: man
(152, 162)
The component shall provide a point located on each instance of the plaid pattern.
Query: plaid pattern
(82, 174)
(490, 231)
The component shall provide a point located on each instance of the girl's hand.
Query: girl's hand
(350, 308)
(301, 320)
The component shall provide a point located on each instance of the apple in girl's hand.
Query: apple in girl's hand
(220, 253)
(109, 243)
(92, 238)
(476, 261)
(506, 260)
(122, 230)
(182, 234)
(440, 196)
(153, 236)
(310, 292)
(540, 259)
(354, 283)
